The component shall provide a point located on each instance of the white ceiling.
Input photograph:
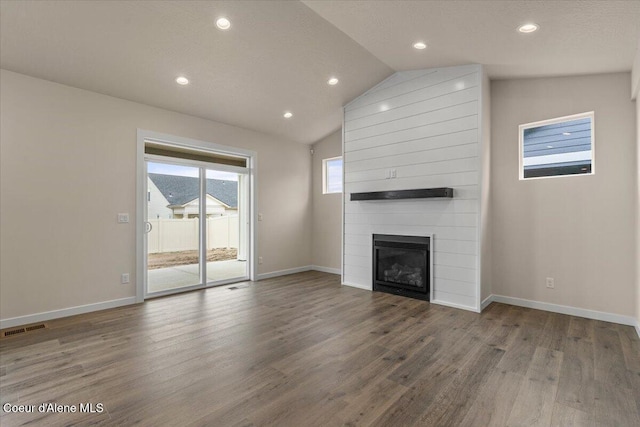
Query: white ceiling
(278, 55)
(575, 37)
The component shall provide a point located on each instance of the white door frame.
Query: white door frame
(141, 185)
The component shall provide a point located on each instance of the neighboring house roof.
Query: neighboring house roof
(180, 190)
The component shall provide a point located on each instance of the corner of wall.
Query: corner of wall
(326, 216)
(637, 86)
(635, 92)
(486, 228)
(635, 74)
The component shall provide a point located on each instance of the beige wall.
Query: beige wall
(68, 163)
(579, 230)
(327, 208)
(635, 74)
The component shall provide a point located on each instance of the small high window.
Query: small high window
(332, 175)
(557, 147)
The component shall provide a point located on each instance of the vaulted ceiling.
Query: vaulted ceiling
(278, 55)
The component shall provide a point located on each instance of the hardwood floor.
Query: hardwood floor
(301, 350)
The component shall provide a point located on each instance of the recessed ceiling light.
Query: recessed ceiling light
(384, 107)
(223, 23)
(528, 28)
(288, 114)
(182, 80)
(549, 146)
(420, 45)
(566, 133)
(332, 81)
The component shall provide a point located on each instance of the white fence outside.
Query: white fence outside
(174, 235)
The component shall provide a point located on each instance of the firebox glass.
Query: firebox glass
(401, 266)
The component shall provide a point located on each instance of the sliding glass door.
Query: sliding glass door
(226, 236)
(173, 227)
(196, 230)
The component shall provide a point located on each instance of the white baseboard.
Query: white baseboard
(454, 305)
(573, 311)
(284, 272)
(298, 270)
(356, 285)
(638, 327)
(326, 269)
(488, 300)
(65, 312)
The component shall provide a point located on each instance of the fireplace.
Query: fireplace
(401, 265)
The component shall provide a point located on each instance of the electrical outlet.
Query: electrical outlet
(551, 283)
(394, 173)
(259, 217)
(124, 278)
(123, 218)
(259, 260)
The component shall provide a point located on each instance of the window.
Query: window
(557, 147)
(332, 175)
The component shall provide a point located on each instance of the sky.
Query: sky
(334, 178)
(166, 169)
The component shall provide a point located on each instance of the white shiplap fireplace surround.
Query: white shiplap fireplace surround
(428, 128)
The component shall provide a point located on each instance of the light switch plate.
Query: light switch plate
(123, 218)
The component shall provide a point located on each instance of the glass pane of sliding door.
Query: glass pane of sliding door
(226, 227)
(173, 227)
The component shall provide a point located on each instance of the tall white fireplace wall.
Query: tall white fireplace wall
(422, 129)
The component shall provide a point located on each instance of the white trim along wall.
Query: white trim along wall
(65, 312)
(88, 308)
(564, 309)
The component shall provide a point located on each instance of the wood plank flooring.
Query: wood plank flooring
(301, 350)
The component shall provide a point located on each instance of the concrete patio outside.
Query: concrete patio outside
(181, 276)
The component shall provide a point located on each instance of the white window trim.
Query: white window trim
(324, 175)
(521, 129)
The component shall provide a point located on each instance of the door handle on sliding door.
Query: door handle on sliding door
(147, 227)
